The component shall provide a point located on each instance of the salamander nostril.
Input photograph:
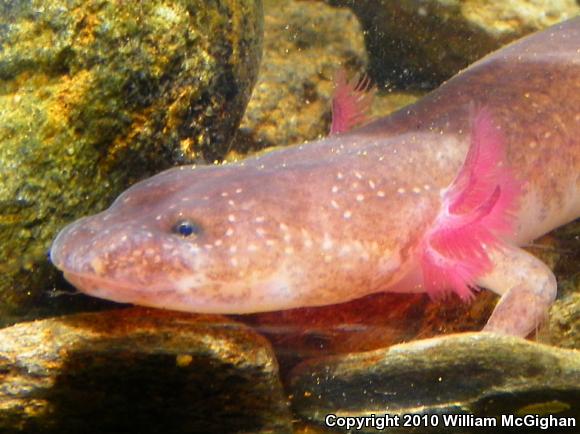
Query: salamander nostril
(186, 228)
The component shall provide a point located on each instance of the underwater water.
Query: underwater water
(289, 216)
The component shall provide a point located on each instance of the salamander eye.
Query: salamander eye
(186, 228)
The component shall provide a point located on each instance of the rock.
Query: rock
(472, 373)
(563, 325)
(421, 44)
(95, 95)
(304, 44)
(309, 429)
(139, 370)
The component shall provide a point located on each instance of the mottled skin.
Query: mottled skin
(342, 217)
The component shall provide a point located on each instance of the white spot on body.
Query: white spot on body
(327, 242)
(229, 232)
(401, 190)
(185, 284)
(231, 218)
(360, 198)
(334, 204)
(334, 189)
(347, 214)
(380, 193)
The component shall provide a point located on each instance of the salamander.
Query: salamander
(436, 197)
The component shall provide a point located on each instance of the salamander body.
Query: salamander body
(434, 197)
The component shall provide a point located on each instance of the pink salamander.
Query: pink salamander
(435, 198)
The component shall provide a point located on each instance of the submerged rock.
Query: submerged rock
(95, 95)
(473, 373)
(564, 320)
(139, 370)
(422, 43)
(304, 44)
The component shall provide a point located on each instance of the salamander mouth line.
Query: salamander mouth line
(113, 286)
(103, 284)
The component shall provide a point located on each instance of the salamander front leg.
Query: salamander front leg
(527, 288)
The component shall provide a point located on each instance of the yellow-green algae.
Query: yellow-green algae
(97, 94)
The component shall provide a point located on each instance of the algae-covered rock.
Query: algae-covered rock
(472, 373)
(563, 327)
(141, 371)
(304, 44)
(421, 43)
(97, 94)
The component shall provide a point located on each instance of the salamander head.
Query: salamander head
(194, 240)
